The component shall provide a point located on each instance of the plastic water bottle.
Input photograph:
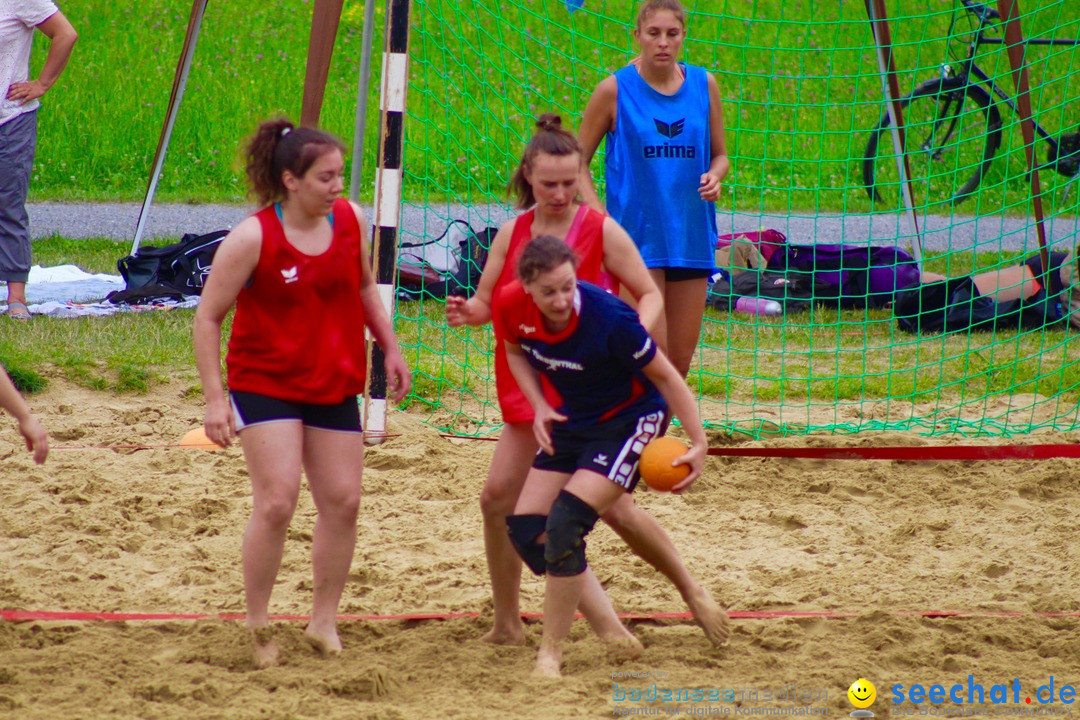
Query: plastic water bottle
(758, 306)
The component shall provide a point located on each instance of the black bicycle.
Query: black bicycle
(953, 128)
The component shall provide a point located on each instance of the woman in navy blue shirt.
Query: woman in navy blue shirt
(613, 390)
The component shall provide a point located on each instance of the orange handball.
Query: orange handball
(196, 439)
(655, 464)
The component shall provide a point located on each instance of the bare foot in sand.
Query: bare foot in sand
(505, 636)
(710, 616)
(548, 663)
(621, 643)
(624, 648)
(326, 642)
(264, 651)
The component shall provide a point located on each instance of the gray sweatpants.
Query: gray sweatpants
(17, 140)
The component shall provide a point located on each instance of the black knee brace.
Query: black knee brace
(571, 519)
(524, 529)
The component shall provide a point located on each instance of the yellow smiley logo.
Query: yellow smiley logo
(862, 693)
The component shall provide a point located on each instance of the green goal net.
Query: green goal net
(811, 157)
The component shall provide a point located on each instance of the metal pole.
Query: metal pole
(362, 102)
(198, 8)
(1014, 45)
(388, 181)
(892, 103)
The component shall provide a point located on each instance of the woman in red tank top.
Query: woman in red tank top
(547, 182)
(298, 274)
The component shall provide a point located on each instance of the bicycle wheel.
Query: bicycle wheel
(952, 130)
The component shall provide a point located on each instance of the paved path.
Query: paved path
(117, 221)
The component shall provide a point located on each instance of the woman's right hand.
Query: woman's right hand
(219, 423)
(695, 458)
(459, 311)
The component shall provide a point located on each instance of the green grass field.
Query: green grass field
(799, 79)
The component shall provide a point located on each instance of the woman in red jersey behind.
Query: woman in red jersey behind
(299, 275)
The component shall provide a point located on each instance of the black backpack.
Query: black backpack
(181, 267)
(955, 305)
(794, 292)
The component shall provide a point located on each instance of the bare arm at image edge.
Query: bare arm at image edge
(37, 440)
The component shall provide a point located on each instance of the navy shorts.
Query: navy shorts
(255, 409)
(609, 449)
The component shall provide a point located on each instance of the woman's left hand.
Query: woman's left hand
(709, 189)
(695, 458)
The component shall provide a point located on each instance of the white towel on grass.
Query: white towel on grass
(70, 291)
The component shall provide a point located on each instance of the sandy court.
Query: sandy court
(158, 531)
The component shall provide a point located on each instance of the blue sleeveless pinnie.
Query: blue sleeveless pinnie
(654, 161)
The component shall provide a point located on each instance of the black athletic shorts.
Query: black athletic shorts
(255, 409)
(610, 449)
(679, 274)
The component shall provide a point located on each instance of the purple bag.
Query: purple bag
(850, 275)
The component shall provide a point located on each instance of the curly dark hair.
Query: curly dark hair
(277, 146)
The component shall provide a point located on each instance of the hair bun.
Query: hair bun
(549, 122)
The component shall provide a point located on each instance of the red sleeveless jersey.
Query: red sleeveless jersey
(298, 331)
(586, 239)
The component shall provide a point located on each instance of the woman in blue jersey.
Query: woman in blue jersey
(665, 159)
(615, 389)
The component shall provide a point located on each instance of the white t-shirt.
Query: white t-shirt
(18, 18)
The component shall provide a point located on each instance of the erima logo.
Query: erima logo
(526, 329)
(291, 275)
(669, 130)
(553, 364)
(669, 151)
(601, 459)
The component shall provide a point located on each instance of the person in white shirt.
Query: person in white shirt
(18, 127)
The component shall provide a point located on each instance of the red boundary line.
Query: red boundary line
(911, 453)
(50, 615)
(922, 453)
